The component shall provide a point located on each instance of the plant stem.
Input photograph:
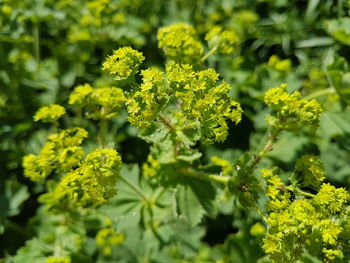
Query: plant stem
(297, 190)
(210, 52)
(267, 147)
(36, 35)
(102, 132)
(204, 176)
(319, 93)
(218, 178)
(36, 41)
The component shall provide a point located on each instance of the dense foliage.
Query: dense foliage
(174, 131)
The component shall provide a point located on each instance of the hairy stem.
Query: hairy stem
(266, 147)
(102, 132)
(210, 52)
(204, 176)
(297, 191)
(319, 93)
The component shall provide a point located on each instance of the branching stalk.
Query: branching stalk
(102, 132)
(266, 148)
(319, 93)
(210, 52)
(204, 176)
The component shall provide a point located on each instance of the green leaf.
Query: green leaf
(334, 124)
(287, 147)
(193, 199)
(188, 205)
(315, 42)
(125, 208)
(340, 77)
(12, 195)
(339, 29)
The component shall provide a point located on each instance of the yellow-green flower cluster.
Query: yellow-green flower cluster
(92, 184)
(202, 99)
(309, 171)
(332, 254)
(124, 63)
(102, 103)
(312, 225)
(146, 101)
(94, 16)
(288, 230)
(62, 152)
(150, 167)
(282, 65)
(49, 113)
(223, 41)
(300, 228)
(194, 97)
(331, 199)
(179, 43)
(80, 96)
(107, 238)
(37, 167)
(58, 260)
(291, 112)
(278, 198)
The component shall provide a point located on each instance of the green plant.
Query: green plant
(178, 112)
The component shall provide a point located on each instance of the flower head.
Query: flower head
(179, 43)
(291, 112)
(225, 41)
(124, 63)
(49, 113)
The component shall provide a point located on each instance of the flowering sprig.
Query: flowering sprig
(222, 41)
(124, 63)
(310, 222)
(82, 181)
(107, 238)
(98, 103)
(49, 113)
(179, 43)
(309, 171)
(62, 153)
(92, 184)
(291, 111)
(190, 104)
(145, 102)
